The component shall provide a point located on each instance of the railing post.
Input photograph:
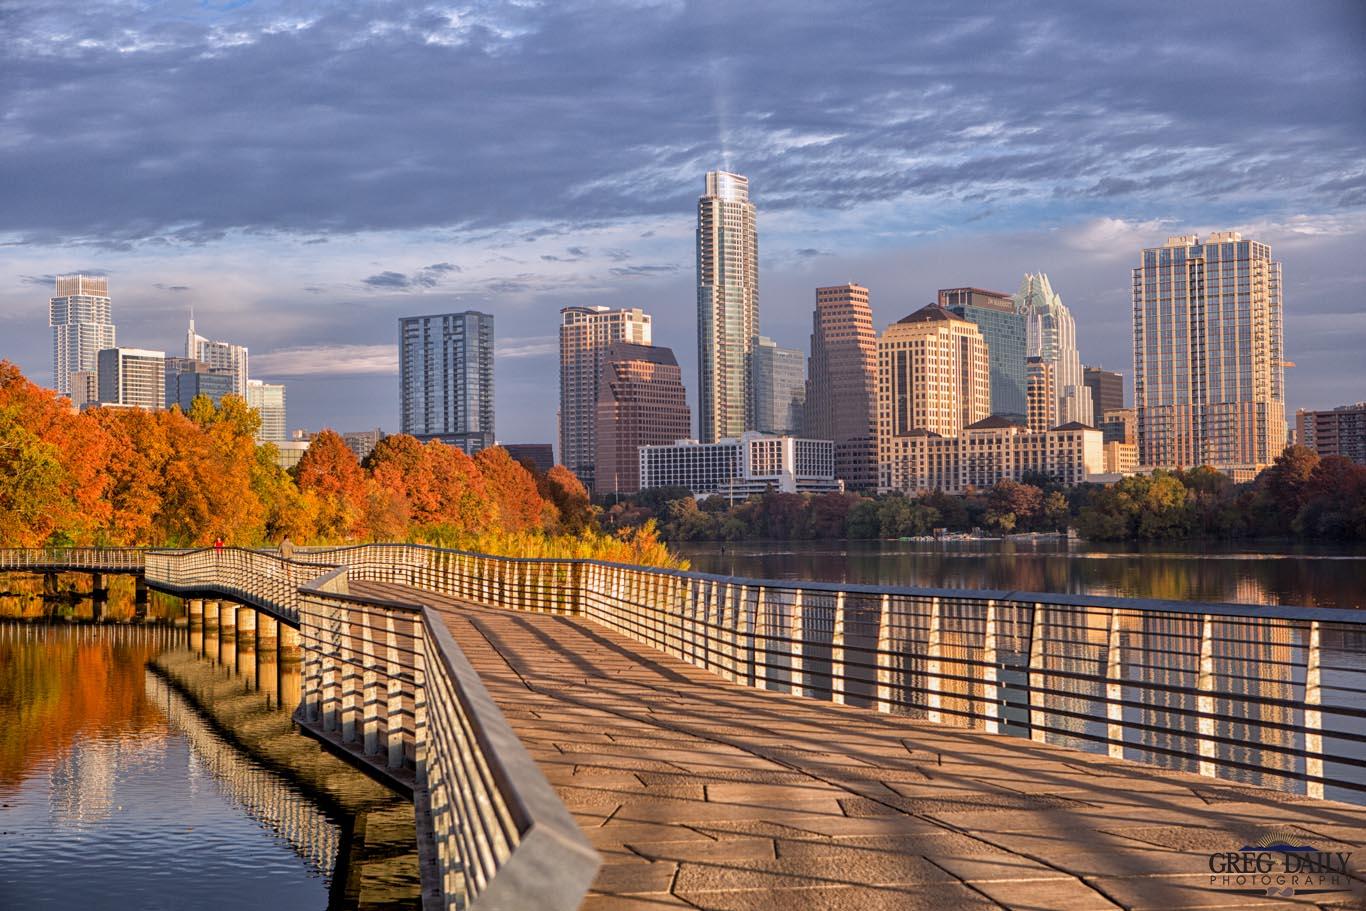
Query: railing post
(394, 726)
(837, 671)
(991, 671)
(1204, 701)
(1114, 688)
(1313, 715)
(759, 641)
(882, 659)
(370, 701)
(796, 673)
(934, 682)
(1036, 675)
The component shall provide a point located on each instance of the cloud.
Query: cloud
(174, 289)
(388, 280)
(327, 360)
(633, 271)
(426, 277)
(810, 252)
(530, 346)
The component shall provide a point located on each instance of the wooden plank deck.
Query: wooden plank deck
(700, 793)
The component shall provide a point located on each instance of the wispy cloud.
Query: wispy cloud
(327, 360)
(528, 346)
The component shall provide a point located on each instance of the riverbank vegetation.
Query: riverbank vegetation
(127, 477)
(1301, 496)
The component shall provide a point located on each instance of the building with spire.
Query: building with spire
(727, 306)
(841, 382)
(221, 357)
(1051, 334)
(79, 314)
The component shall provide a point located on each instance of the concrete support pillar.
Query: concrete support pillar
(195, 612)
(99, 587)
(227, 634)
(140, 589)
(246, 644)
(210, 649)
(290, 656)
(267, 657)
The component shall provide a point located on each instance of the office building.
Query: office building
(1107, 391)
(932, 374)
(538, 456)
(269, 401)
(288, 453)
(991, 450)
(79, 315)
(641, 402)
(841, 382)
(1003, 329)
(1209, 377)
(85, 388)
(1119, 426)
(1051, 333)
(223, 357)
(1041, 395)
(585, 333)
(1120, 458)
(727, 306)
(187, 378)
(132, 378)
(738, 468)
(1340, 431)
(779, 382)
(445, 369)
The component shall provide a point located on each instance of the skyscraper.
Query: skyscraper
(933, 376)
(1003, 328)
(132, 377)
(81, 326)
(187, 378)
(727, 306)
(1107, 391)
(585, 333)
(841, 382)
(269, 401)
(445, 368)
(224, 357)
(779, 381)
(1051, 334)
(641, 402)
(1209, 378)
(1041, 395)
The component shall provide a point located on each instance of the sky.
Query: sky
(301, 175)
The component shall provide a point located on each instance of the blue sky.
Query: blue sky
(304, 174)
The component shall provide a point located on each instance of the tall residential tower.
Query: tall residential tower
(585, 333)
(445, 367)
(1209, 377)
(727, 306)
(1051, 334)
(81, 326)
(841, 382)
(779, 380)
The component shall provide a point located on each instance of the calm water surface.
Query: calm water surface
(114, 793)
(1294, 575)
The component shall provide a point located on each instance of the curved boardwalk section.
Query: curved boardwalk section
(702, 793)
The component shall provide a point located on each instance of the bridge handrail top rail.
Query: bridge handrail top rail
(1343, 615)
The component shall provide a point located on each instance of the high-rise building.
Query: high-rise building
(537, 456)
(585, 333)
(132, 378)
(223, 357)
(85, 388)
(727, 305)
(1119, 425)
(1338, 432)
(269, 401)
(841, 382)
(187, 377)
(1003, 328)
(738, 468)
(641, 402)
(79, 315)
(779, 381)
(1107, 391)
(1041, 395)
(1051, 333)
(1209, 377)
(445, 370)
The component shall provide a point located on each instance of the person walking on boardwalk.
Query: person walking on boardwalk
(218, 543)
(287, 548)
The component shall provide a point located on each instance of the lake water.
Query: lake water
(115, 793)
(1293, 575)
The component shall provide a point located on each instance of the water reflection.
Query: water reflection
(1294, 575)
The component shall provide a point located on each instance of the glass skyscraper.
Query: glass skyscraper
(727, 306)
(445, 365)
(1003, 328)
(779, 380)
(81, 326)
(1209, 371)
(1051, 333)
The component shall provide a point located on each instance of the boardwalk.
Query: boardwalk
(700, 793)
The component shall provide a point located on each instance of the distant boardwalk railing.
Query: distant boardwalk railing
(1274, 696)
(71, 559)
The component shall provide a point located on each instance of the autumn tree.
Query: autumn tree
(461, 504)
(330, 474)
(574, 510)
(513, 488)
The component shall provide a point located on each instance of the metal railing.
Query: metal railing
(385, 681)
(71, 559)
(1264, 695)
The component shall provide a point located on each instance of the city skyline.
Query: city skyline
(312, 267)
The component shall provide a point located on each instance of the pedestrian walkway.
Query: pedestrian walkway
(700, 793)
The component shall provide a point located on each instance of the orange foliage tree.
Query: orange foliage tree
(520, 506)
